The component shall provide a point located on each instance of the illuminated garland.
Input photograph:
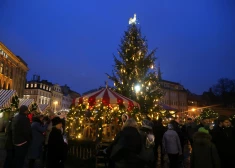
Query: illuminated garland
(135, 68)
(79, 116)
(208, 114)
(13, 107)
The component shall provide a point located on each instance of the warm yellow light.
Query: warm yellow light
(55, 102)
(193, 109)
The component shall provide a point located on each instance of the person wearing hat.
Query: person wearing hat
(21, 136)
(204, 153)
(56, 145)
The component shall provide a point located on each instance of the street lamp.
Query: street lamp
(55, 103)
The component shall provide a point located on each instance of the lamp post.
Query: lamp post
(55, 103)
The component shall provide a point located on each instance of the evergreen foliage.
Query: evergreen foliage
(135, 66)
(208, 114)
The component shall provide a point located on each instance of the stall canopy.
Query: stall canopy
(167, 108)
(42, 107)
(5, 97)
(26, 102)
(108, 98)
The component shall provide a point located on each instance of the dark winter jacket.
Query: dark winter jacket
(189, 129)
(8, 134)
(125, 151)
(204, 153)
(35, 149)
(21, 129)
(56, 149)
(147, 152)
(224, 140)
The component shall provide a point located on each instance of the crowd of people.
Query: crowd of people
(38, 141)
(211, 146)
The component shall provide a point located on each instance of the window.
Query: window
(40, 85)
(47, 88)
(1, 68)
(6, 71)
(27, 85)
(35, 85)
(31, 85)
(43, 86)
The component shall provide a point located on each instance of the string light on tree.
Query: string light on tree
(135, 65)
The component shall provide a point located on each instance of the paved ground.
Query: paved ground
(2, 156)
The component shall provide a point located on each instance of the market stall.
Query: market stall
(98, 115)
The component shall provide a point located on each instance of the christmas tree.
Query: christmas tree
(134, 73)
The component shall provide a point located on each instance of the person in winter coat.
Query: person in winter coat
(189, 129)
(148, 143)
(158, 131)
(21, 136)
(9, 145)
(56, 146)
(224, 140)
(171, 146)
(204, 153)
(182, 137)
(125, 152)
(36, 146)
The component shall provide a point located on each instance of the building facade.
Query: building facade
(13, 71)
(38, 90)
(175, 96)
(56, 97)
(68, 97)
(66, 102)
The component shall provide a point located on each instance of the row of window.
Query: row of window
(174, 103)
(56, 95)
(57, 89)
(35, 85)
(175, 94)
(3, 53)
(5, 70)
(67, 99)
(172, 86)
(44, 100)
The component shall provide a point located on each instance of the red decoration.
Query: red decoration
(108, 98)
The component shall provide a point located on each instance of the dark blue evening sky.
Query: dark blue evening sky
(72, 41)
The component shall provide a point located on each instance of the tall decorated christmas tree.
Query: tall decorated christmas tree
(134, 74)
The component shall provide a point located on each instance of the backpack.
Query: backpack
(147, 150)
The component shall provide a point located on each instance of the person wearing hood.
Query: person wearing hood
(124, 118)
(21, 136)
(204, 153)
(171, 146)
